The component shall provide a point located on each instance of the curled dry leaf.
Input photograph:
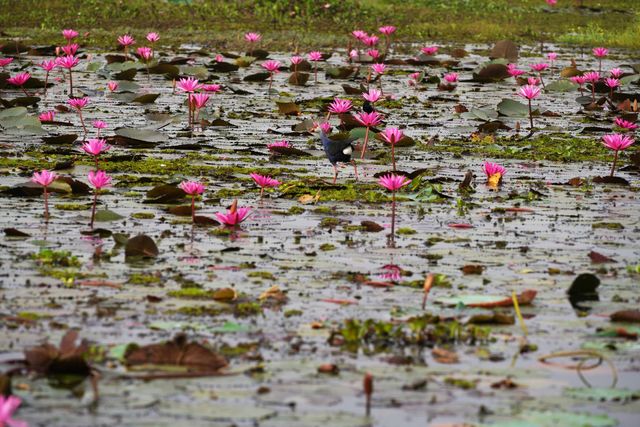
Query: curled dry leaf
(68, 358)
(194, 357)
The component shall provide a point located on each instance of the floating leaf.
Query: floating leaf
(165, 193)
(141, 245)
(299, 78)
(339, 72)
(511, 108)
(133, 136)
(60, 139)
(632, 316)
(505, 49)
(107, 215)
(561, 86)
(489, 301)
(178, 352)
(287, 107)
(603, 394)
(147, 98)
(257, 77)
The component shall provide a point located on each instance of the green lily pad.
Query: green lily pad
(561, 86)
(107, 215)
(603, 394)
(511, 108)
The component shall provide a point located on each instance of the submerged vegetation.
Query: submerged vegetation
(307, 23)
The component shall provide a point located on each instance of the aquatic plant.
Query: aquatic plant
(193, 189)
(616, 142)
(44, 178)
(99, 179)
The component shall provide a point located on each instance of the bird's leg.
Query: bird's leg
(335, 174)
(355, 168)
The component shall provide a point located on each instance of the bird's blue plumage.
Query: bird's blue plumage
(338, 148)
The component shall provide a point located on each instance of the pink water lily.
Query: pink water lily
(592, 77)
(198, 102)
(70, 49)
(47, 66)
(79, 104)
(539, 67)
(5, 61)
(392, 136)
(253, 37)
(68, 62)
(430, 50)
(314, 57)
(579, 80)
(371, 40)
(296, 60)
(69, 34)
(145, 53)
(616, 73)
(552, 56)
(211, 88)
(8, 406)
(393, 183)
(529, 92)
(19, 80)
(95, 147)
(373, 95)
(359, 34)
(374, 53)
(44, 178)
(616, 142)
(193, 189)
(387, 30)
(264, 182)
(47, 116)
(112, 86)
(340, 106)
(234, 215)
(611, 83)
(368, 120)
(278, 144)
(625, 124)
(125, 41)
(99, 179)
(153, 37)
(188, 84)
(273, 67)
(379, 68)
(600, 53)
(490, 169)
(534, 81)
(451, 77)
(514, 71)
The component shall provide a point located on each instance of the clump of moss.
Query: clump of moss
(327, 247)
(72, 206)
(261, 275)
(143, 215)
(191, 293)
(143, 279)
(407, 231)
(53, 258)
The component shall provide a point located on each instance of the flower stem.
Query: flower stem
(530, 115)
(393, 155)
(193, 209)
(70, 83)
(82, 122)
(261, 192)
(393, 215)
(315, 73)
(366, 140)
(615, 160)
(46, 204)
(270, 84)
(46, 82)
(93, 208)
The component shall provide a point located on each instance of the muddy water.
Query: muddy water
(517, 250)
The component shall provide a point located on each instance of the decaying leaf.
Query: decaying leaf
(194, 357)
